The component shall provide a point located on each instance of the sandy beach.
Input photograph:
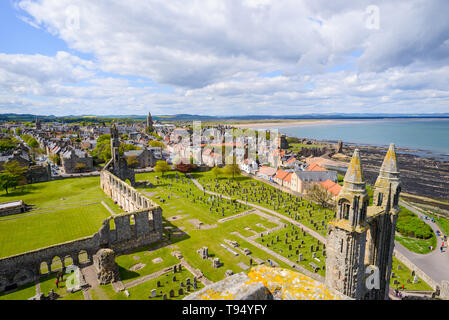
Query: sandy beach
(289, 123)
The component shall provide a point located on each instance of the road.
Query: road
(435, 264)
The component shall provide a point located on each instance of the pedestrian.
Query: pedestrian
(57, 282)
(61, 275)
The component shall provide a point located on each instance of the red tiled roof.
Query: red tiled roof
(331, 186)
(315, 167)
(288, 177)
(291, 160)
(280, 174)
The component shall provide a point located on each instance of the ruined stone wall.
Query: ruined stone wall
(141, 225)
(38, 173)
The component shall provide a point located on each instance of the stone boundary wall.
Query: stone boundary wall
(421, 274)
(19, 208)
(141, 225)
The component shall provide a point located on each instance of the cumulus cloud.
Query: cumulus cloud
(217, 56)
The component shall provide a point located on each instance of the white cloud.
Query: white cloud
(215, 54)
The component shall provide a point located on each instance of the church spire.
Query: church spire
(390, 164)
(354, 174)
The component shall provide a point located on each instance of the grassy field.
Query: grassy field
(417, 245)
(413, 233)
(182, 202)
(300, 243)
(296, 147)
(64, 210)
(262, 194)
(403, 275)
(143, 291)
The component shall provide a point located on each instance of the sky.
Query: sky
(223, 57)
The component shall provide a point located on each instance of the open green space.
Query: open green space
(296, 147)
(402, 275)
(264, 195)
(290, 242)
(143, 290)
(413, 233)
(22, 293)
(64, 210)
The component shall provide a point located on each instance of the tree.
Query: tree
(55, 158)
(14, 169)
(7, 181)
(185, 167)
(156, 144)
(162, 167)
(232, 169)
(216, 171)
(319, 194)
(80, 166)
(132, 161)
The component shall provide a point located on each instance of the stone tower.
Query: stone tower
(149, 123)
(117, 165)
(37, 122)
(115, 147)
(382, 221)
(346, 235)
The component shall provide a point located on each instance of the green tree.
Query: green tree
(132, 161)
(80, 167)
(156, 144)
(232, 169)
(7, 181)
(55, 158)
(216, 171)
(162, 167)
(14, 169)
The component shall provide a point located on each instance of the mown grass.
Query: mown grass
(417, 245)
(403, 275)
(267, 196)
(59, 216)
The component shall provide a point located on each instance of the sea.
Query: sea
(423, 137)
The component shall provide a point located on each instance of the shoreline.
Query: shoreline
(285, 123)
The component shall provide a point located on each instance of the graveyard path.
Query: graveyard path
(292, 221)
(282, 258)
(434, 264)
(109, 209)
(199, 275)
(148, 277)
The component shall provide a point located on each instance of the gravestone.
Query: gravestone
(153, 293)
(171, 293)
(164, 297)
(180, 291)
(174, 278)
(158, 284)
(300, 257)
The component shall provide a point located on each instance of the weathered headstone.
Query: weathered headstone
(153, 293)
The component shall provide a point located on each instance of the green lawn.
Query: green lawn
(59, 215)
(23, 293)
(300, 245)
(402, 276)
(143, 291)
(413, 233)
(416, 245)
(262, 194)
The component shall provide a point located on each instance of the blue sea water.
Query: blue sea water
(417, 134)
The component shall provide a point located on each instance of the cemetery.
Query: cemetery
(147, 273)
(259, 193)
(297, 246)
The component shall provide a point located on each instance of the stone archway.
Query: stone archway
(44, 268)
(56, 264)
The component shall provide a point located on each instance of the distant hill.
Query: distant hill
(191, 117)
